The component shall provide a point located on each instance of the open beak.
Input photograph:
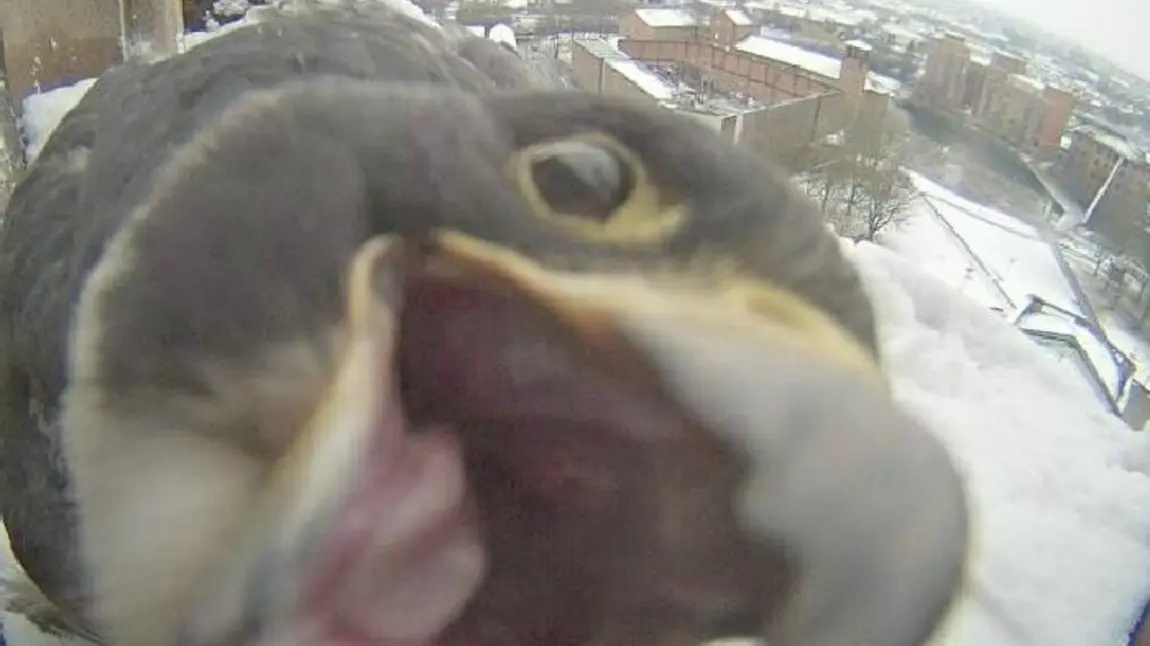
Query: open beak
(513, 456)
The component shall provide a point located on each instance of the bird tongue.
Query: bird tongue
(402, 560)
(404, 555)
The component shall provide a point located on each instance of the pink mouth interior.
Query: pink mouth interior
(515, 497)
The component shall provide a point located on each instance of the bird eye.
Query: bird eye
(597, 188)
(581, 179)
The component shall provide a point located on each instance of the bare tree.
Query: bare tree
(859, 182)
(886, 197)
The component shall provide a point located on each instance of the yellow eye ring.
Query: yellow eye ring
(643, 217)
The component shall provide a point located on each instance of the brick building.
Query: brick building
(729, 56)
(47, 43)
(1094, 156)
(791, 96)
(600, 67)
(782, 130)
(942, 84)
(975, 82)
(996, 94)
(732, 25)
(666, 24)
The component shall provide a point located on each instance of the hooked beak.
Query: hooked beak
(508, 455)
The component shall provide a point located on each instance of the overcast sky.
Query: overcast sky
(1117, 29)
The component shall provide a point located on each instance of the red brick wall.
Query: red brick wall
(732, 70)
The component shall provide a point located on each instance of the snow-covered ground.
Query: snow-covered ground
(1001, 262)
(1059, 488)
(43, 112)
(1014, 254)
(1061, 504)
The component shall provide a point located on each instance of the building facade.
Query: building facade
(727, 55)
(789, 97)
(48, 43)
(996, 95)
(1098, 159)
(942, 85)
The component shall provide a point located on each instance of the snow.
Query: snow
(666, 17)
(789, 54)
(44, 111)
(504, 34)
(643, 78)
(1134, 346)
(634, 71)
(1058, 487)
(925, 239)
(1097, 350)
(822, 65)
(1027, 84)
(739, 18)
(1015, 254)
(231, 7)
(882, 84)
(1001, 263)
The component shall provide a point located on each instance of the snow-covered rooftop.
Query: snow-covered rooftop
(1059, 487)
(643, 78)
(1027, 83)
(843, 16)
(1014, 254)
(738, 17)
(1122, 147)
(814, 62)
(666, 17)
(1103, 367)
(601, 48)
(901, 33)
(44, 111)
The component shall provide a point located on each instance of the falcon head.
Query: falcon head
(401, 364)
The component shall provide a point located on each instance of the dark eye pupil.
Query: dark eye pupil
(580, 179)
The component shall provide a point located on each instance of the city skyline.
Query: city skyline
(1091, 25)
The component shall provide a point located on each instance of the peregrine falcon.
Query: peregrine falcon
(342, 329)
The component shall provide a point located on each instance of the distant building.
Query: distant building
(1012, 106)
(48, 43)
(901, 39)
(975, 84)
(817, 23)
(600, 67)
(729, 56)
(732, 25)
(665, 24)
(942, 85)
(758, 91)
(997, 94)
(1096, 157)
